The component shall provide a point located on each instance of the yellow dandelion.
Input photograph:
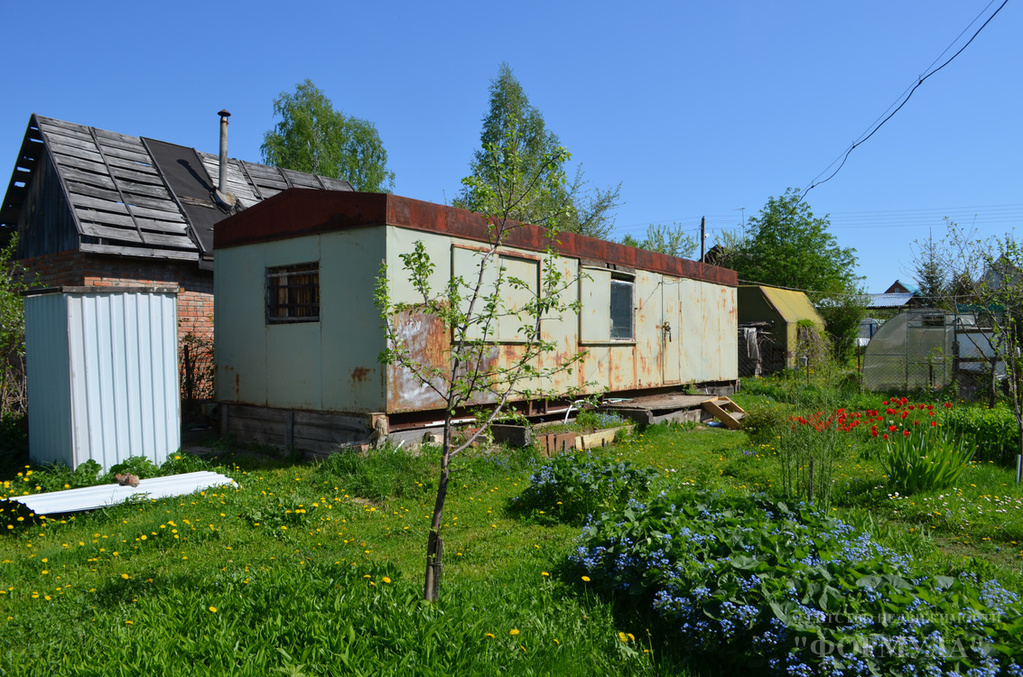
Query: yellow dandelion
(489, 635)
(213, 609)
(385, 579)
(586, 579)
(125, 576)
(513, 632)
(544, 573)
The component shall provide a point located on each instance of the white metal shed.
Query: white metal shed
(102, 374)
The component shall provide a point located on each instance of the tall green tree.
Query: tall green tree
(514, 126)
(929, 271)
(313, 137)
(787, 246)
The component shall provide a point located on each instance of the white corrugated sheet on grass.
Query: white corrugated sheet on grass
(90, 498)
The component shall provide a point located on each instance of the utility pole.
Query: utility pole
(703, 237)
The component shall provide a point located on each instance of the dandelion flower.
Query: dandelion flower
(213, 609)
(125, 576)
(513, 632)
(385, 579)
(544, 573)
(586, 579)
(489, 635)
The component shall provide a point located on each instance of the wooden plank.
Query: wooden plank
(155, 192)
(163, 226)
(70, 145)
(129, 175)
(122, 142)
(141, 252)
(301, 179)
(46, 123)
(111, 233)
(165, 240)
(99, 204)
(138, 153)
(731, 422)
(104, 196)
(89, 178)
(68, 153)
(158, 214)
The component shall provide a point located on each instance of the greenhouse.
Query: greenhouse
(926, 348)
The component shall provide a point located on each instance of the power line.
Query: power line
(902, 100)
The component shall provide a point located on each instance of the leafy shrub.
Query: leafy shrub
(751, 584)
(598, 420)
(920, 461)
(993, 432)
(13, 434)
(180, 463)
(140, 466)
(571, 487)
(57, 477)
(764, 423)
(379, 474)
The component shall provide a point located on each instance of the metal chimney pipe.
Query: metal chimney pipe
(224, 115)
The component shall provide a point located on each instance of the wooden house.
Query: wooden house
(298, 335)
(96, 208)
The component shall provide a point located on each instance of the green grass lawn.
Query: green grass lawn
(316, 569)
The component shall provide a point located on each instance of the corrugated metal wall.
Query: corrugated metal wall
(102, 376)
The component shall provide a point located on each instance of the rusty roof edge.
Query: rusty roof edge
(304, 211)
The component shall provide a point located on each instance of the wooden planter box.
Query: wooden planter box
(599, 438)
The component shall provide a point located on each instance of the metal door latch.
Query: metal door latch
(666, 327)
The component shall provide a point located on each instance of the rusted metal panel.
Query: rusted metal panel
(428, 343)
(300, 211)
(709, 332)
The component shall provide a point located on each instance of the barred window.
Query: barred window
(293, 293)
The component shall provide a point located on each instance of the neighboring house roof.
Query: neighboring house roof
(132, 195)
(898, 287)
(887, 300)
(793, 306)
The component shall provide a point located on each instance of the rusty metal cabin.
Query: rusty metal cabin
(299, 367)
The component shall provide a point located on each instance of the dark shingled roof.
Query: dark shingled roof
(137, 196)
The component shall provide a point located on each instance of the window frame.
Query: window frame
(288, 307)
(623, 281)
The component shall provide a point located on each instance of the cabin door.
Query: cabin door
(670, 330)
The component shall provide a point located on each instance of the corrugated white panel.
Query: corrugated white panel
(120, 376)
(49, 373)
(90, 498)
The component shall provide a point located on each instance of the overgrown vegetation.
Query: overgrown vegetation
(13, 281)
(695, 525)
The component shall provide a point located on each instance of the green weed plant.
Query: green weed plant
(572, 487)
(934, 458)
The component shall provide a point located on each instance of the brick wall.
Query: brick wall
(80, 269)
(195, 301)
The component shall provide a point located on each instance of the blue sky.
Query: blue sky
(697, 109)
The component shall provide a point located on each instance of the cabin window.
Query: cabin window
(608, 302)
(621, 309)
(293, 293)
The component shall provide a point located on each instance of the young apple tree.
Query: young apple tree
(470, 308)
